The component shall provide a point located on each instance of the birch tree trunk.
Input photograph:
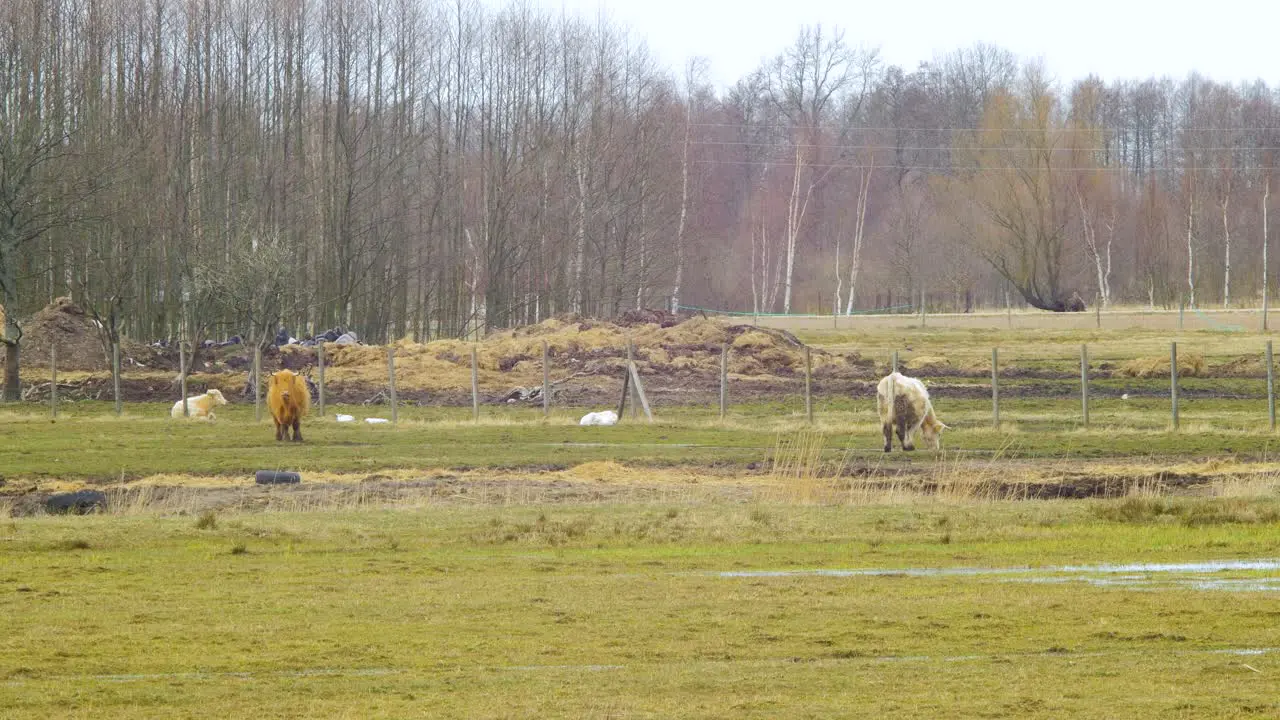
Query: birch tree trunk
(1266, 279)
(1226, 258)
(856, 261)
(793, 231)
(1191, 257)
(684, 209)
(755, 281)
(1091, 242)
(580, 251)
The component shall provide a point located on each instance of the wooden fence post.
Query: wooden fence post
(1173, 381)
(1271, 388)
(639, 390)
(257, 384)
(1182, 304)
(53, 383)
(724, 379)
(922, 310)
(320, 354)
(182, 375)
(115, 375)
(1097, 311)
(808, 381)
(475, 384)
(995, 387)
(895, 361)
(631, 369)
(1084, 383)
(391, 376)
(546, 380)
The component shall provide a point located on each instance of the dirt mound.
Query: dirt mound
(1189, 365)
(1241, 367)
(582, 348)
(65, 325)
(661, 318)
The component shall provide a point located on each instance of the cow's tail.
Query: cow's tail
(884, 404)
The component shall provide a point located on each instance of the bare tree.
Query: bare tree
(694, 77)
(1017, 183)
(805, 81)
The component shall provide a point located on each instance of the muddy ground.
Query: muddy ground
(746, 484)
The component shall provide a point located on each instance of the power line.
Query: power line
(948, 148)
(973, 168)
(872, 128)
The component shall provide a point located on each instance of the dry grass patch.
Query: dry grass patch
(1189, 365)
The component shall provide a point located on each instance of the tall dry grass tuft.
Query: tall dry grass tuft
(958, 480)
(797, 473)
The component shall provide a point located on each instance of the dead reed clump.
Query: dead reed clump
(927, 363)
(1189, 365)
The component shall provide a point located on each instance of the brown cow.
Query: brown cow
(288, 399)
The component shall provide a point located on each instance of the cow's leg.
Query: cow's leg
(279, 431)
(903, 436)
(888, 437)
(297, 430)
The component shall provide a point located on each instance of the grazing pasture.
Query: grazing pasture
(755, 566)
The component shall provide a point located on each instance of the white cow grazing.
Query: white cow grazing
(200, 407)
(904, 406)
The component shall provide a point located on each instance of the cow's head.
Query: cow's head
(931, 430)
(282, 382)
(217, 397)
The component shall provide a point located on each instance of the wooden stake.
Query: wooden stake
(639, 389)
(808, 379)
(895, 361)
(631, 369)
(1173, 381)
(546, 380)
(1271, 388)
(182, 375)
(475, 384)
(724, 379)
(53, 384)
(1182, 304)
(995, 387)
(115, 376)
(626, 390)
(391, 376)
(1084, 383)
(257, 384)
(320, 354)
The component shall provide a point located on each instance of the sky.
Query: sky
(1226, 40)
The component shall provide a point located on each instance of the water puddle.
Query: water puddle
(1192, 576)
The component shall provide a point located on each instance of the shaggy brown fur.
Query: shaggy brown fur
(289, 400)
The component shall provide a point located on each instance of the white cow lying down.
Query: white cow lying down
(904, 406)
(200, 407)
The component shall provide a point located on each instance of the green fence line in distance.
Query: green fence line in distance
(875, 311)
(1214, 324)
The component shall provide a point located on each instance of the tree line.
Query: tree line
(432, 168)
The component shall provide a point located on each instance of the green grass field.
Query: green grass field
(627, 611)
(697, 568)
